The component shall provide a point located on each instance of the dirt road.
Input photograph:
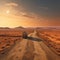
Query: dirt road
(30, 50)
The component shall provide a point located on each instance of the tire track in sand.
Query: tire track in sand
(29, 54)
(39, 52)
(18, 51)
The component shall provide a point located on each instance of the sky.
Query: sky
(29, 13)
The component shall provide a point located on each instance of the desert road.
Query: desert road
(30, 49)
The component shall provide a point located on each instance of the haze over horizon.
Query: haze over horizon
(29, 13)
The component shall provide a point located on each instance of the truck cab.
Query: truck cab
(24, 35)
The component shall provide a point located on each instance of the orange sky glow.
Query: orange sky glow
(10, 17)
(14, 21)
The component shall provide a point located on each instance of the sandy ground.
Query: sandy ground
(30, 50)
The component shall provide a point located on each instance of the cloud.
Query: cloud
(11, 4)
(30, 15)
(26, 14)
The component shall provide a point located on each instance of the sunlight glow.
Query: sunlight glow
(7, 11)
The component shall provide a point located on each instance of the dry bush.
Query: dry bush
(51, 38)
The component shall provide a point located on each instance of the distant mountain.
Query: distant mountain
(19, 27)
(49, 27)
(4, 28)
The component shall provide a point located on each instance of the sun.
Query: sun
(8, 11)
